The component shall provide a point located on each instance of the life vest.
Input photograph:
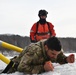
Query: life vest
(42, 32)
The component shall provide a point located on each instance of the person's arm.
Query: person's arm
(52, 29)
(62, 59)
(32, 33)
(31, 63)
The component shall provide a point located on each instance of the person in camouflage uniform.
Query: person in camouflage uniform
(38, 57)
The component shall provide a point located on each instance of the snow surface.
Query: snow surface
(66, 69)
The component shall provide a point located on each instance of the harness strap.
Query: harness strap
(38, 25)
(8, 67)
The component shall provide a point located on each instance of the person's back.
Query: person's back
(42, 29)
(38, 57)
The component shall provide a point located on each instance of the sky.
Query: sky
(18, 16)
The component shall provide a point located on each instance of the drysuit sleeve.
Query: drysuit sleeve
(52, 30)
(32, 33)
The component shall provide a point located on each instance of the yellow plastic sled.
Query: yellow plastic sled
(8, 62)
(10, 46)
(4, 58)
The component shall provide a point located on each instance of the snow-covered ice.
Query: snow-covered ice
(66, 69)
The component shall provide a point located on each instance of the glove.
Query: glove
(33, 41)
(71, 58)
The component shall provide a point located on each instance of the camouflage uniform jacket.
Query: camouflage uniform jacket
(33, 57)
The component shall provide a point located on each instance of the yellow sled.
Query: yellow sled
(4, 58)
(10, 46)
(8, 62)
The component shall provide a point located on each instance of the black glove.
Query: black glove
(33, 41)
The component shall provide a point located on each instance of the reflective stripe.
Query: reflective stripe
(46, 33)
(43, 32)
(31, 31)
